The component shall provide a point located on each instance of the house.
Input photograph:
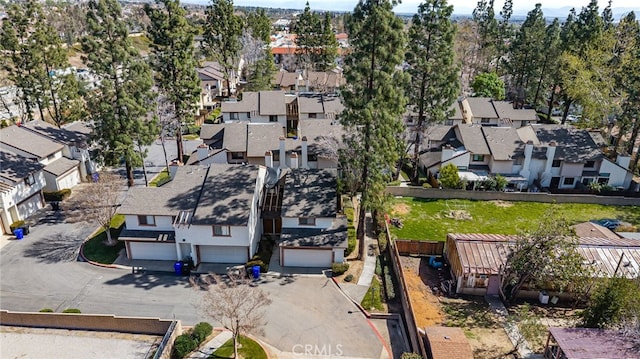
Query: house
(582, 343)
(257, 107)
(60, 172)
(212, 81)
(287, 81)
(318, 106)
(21, 183)
(313, 233)
(593, 230)
(475, 259)
(446, 342)
(210, 214)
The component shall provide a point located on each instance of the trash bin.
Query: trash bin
(256, 272)
(25, 229)
(186, 268)
(55, 206)
(19, 233)
(178, 268)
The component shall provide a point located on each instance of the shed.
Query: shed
(589, 343)
(445, 343)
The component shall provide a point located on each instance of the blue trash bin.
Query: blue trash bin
(177, 266)
(256, 272)
(19, 233)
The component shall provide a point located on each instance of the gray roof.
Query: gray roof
(209, 130)
(16, 168)
(61, 166)
(235, 137)
(428, 159)
(168, 200)
(473, 139)
(74, 134)
(310, 193)
(318, 133)
(334, 236)
(439, 132)
(505, 110)
(310, 103)
(481, 107)
(333, 106)
(263, 137)
(227, 196)
(457, 113)
(503, 142)
(285, 79)
(572, 144)
(28, 141)
(248, 103)
(272, 103)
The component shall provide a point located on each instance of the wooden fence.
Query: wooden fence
(419, 248)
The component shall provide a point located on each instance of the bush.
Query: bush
(382, 241)
(262, 256)
(348, 278)
(72, 310)
(264, 268)
(16, 224)
(395, 183)
(201, 331)
(192, 130)
(183, 345)
(426, 185)
(339, 268)
(388, 284)
(46, 310)
(379, 265)
(57, 196)
(351, 231)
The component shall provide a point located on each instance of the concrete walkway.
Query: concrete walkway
(511, 328)
(370, 250)
(212, 345)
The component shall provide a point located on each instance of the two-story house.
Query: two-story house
(257, 107)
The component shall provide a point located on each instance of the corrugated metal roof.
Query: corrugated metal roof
(589, 343)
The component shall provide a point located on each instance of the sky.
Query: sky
(521, 7)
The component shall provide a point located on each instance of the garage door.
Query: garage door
(29, 206)
(153, 251)
(307, 257)
(224, 254)
(70, 180)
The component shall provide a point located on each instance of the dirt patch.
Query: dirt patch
(400, 209)
(355, 269)
(459, 215)
(489, 343)
(504, 204)
(426, 306)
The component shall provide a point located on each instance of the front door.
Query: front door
(555, 182)
(493, 288)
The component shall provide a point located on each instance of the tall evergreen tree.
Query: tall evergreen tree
(549, 69)
(261, 73)
(504, 34)
(308, 29)
(222, 32)
(374, 99)
(260, 25)
(328, 50)
(487, 26)
(120, 105)
(430, 56)
(174, 63)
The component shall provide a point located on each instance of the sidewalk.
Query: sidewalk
(212, 345)
(511, 329)
(369, 254)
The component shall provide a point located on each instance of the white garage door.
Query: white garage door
(224, 254)
(70, 180)
(29, 206)
(307, 257)
(153, 251)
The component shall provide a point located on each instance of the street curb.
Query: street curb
(360, 307)
(97, 264)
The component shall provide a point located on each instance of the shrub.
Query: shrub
(257, 262)
(339, 268)
(72, 310)
(379, 265)
(16, 224)
(394, 183)
(192, 130)
(426, 185)
(183, 345)
(449, 177)
(500, 182)
(46, 310)
(201, 331)
(57, 196)
(262, 256)
(408, 355)
(388, 284)
(382, 241)
(348, 278)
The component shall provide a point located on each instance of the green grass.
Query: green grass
(373, 297)
(160, 179)
(191, 137)
(248, 349)
(96, 250)
(427, 220)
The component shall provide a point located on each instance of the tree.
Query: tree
(260, 25)
(373, 98)
(614, 301)
(174, 63)
(234, 303)
(97, 202)
(120, 105)
(308, 29)
(222, 32)
(467, 50)
(328, 50)
(449, 177)
(487, 25)
(430, 56)
(546, 255)
(488, 84)
(261, 73)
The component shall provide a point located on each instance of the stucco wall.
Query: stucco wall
(203, 234)
(292, 222)
(163, 223)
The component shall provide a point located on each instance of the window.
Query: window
(587, 180)
(568, 181)
(448, 122)
(237, 155)
(233, 115)
(590, 164)
(51, 156)
(524, 123)
(273, 118)
(146, 221)
(248, 114)
(313, 115)
(485, 120)
(478, 158)
(307, 221)
(221, 231)
(312, 157)
(276, 155)
(30, 180)
(555, 163)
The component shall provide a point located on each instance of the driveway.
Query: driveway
(308, 316)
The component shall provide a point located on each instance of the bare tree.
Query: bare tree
(98, 202)
(233, 302)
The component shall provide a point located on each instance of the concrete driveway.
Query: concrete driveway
(308, 316)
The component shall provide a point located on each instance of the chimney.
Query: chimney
(283, 153)
(268, 159)
(173, 168)
(203, 151)
(304, 154)
(623, 160)
(294, 160)
(551, 153)
(528, 152)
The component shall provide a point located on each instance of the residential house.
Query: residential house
(476, 259)
(212, 81)
(60, 172)
(313, 106)
(581, 343)
(287, 81)
(258, 107)
(21, 184)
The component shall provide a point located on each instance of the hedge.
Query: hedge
(72, 310)
(183, 345)
(263, 256)
(339, 268)
(16, 224)
(201, 331)
(57, 196)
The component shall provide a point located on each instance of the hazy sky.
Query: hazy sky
(410, 6)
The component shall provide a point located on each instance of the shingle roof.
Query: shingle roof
(248, 103)
(209, 130)
(503, 142)
(505, 110)
(446, 342)
(481, 107)
(16, 168)
(473, 139)
(61, 166)
(572, 144)
(27, 141)
(591, 343)
(457, 113)
(318, 132)
(263, 137)
(271, 103)
(235, 137)
(73, 134)
(439, 132)
(334, 236)
(227, 196)
(310, 193)
(310, 103)
(333, 106)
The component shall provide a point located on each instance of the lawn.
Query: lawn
(373, 298)
(425, 219)
(96, 250)
(160, 179)
(248, 349)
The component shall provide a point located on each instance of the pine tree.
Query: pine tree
(328, 50)
(174, 63)
(487, 25)
(262, 73)
(308, 29)
(260, 25)
(120, 105)
(430, 56)
(222, 32)
(374, 99)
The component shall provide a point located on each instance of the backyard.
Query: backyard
(424, 219)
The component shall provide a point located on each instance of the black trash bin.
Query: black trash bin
(186, 268)
(55, 206)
